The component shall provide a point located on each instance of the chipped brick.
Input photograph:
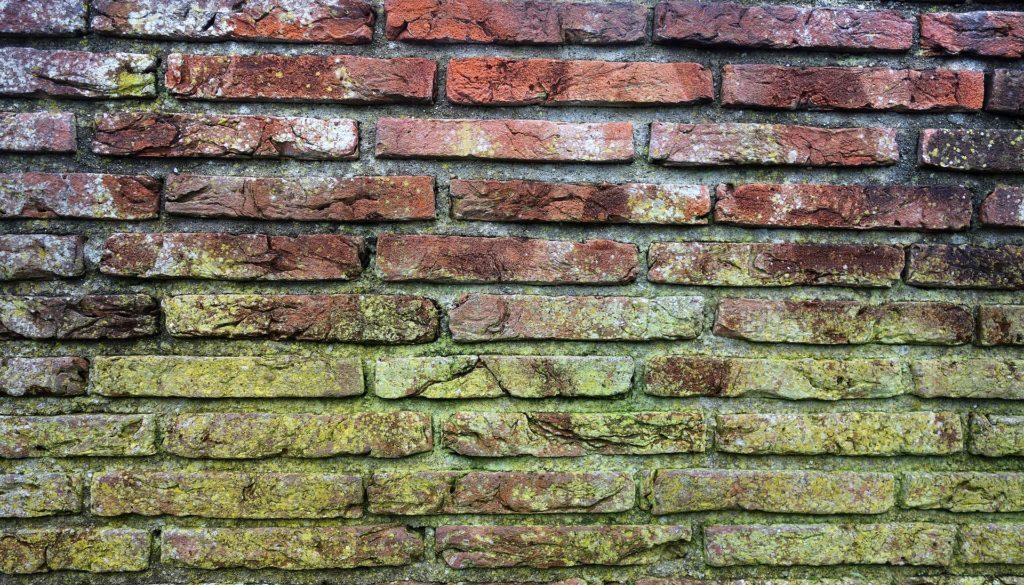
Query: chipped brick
(28, 72)
(41, 256)
(79, 317)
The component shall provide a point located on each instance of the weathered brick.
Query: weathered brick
(92, 550)
(542, 547)
(854, 207)
(40, 494)
(964, 491)
(992, 543)
(915, 543)
(852, 88)
(50, 18)
(983, 150)
(344, 22)
(213, 136)
(1004, 207)
(323, 547)
(399, 198)
(340, 317)
(260, 435)
(994, 435)
(37, 132)
(736, 264)
(482, 317)
(491, 376)
(234, 257)
(504, 259)
(671, 491)
(78, 195)
(214, 494)
(226, 377)
(947, 266)
(518, 200)
(503, 492)
(46, 376)
(571, 434)
(345, 79)
(26, 72)
(496, 81)
(969, 378)
(771, 144)
(792, 379)
(515, 22)
(41, 256)
(77, 435)
(1006, 91)
(985, 34)
(724, 24)
(508, 140)
(79, 317)
(1001, 325)
(812, 581)
(841, 433)
(832, 322)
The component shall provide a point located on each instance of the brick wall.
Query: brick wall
(319, 291)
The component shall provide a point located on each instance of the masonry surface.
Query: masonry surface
(650, 292)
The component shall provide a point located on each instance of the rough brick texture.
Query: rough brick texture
(511, 292)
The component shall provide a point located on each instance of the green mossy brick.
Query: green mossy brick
(77, 435)
(969, 378)
(226, 377)
(492, 376)
(501, 492)
(325, 547)
(30, 495)
(217, 494)
(101, 550)
(997, 435)
(841, 433)
(670, 491)
(830, 544)
(992, 543)
(965, 491)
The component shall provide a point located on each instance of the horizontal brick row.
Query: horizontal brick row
(272, 495)
(672, 144)
(396, 319)
(721, 24)
(507, 434)
(465, 547)
(516, 376)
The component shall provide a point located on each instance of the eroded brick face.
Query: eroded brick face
(495, 292)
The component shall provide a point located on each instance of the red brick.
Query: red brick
(827, 322)
(344, 22)
(985, 34)
(723, 24)
(983, 150)
(543, 201)
(946, 266)
(494, 81)
(486, 317)
(1004, 207)
(78, 317)
(49, 18)
(511, 140)
(37, 132)
(513, 22)
(198, 135)
(852, 88)
(1001, 325)
(771, 144)
(78, 195)
(521, 260)
(306, 78)
(76, 74)
(1006, 92)
(351, 318)
(734, 264)
(349, 199)
(234, 257)
(855, 207)
(41, 256)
